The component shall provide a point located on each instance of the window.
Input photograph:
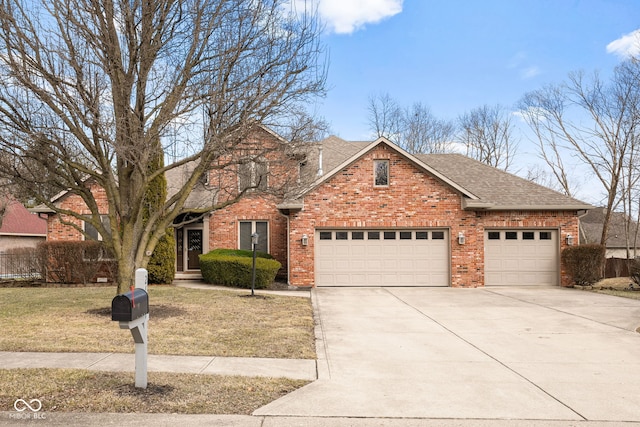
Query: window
(357, 235)
(252, 174)
(342, 235)
(545, 235)
(325, 235)
(247, 228)
(405, 235)
(511, 235)
(494, 235)
(373, 235)
(91, 233)
(437, 235)
(381, 173)
(528, 235)
(389, 235)
(422, 235)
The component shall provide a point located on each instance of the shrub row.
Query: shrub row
(234, 268)
(584, 263)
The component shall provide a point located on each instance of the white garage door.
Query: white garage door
(521, 257)
(382, 257)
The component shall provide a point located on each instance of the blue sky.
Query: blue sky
(455, 55)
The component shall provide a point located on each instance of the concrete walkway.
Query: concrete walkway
(299, 369)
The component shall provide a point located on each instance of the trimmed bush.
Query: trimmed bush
(584, 263)
(240, 252)
(227, 267)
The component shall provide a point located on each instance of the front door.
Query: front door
(194, 248)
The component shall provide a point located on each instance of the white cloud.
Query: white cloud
(530, 72)
(627, 45)
(347, 16)
(519, 62)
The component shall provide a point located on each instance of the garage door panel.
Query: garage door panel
(522, 261)
(382, 262)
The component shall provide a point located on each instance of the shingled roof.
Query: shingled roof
(592, 223)
(500, 190)
(18, 221)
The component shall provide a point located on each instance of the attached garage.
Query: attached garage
(382, 257)
(521, 257)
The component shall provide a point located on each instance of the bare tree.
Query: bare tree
(487, 134)
(424, 133)
(415, 129)
(89, 87)
(534, 107)
(385, 116)
(596, 121)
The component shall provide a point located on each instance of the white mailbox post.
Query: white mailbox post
(138, 328)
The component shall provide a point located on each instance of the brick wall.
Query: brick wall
(56, 227)
(224, 227)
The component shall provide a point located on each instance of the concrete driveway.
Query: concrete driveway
(494, 353)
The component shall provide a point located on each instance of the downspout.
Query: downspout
(288, 249)
(320, 171)
(581, 233)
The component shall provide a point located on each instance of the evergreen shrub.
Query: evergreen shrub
(234, 268)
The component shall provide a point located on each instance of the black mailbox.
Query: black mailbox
(130, 306)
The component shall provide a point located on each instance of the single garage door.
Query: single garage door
(521, 257)
(382, 257)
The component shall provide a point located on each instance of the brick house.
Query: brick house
(338, 213)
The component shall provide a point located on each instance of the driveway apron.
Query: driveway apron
(487, 353)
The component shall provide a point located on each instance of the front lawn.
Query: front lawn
(182, 322)
(74, 390)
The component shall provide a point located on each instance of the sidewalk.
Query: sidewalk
(299, 369)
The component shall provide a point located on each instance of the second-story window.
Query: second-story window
(253, 174)
(381, 173)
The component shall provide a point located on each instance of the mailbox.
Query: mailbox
(130, 306)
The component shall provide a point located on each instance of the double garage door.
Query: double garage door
(422, 257)
(382, 257)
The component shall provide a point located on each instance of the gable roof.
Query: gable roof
(18, 221)
(483, 187)
(591, 229)
(338, 154)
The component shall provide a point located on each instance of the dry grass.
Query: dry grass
(63, 390)
(182, 322)
(618, 286)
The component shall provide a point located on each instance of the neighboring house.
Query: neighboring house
(371, 214)
(616, 244)
(20, 228)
